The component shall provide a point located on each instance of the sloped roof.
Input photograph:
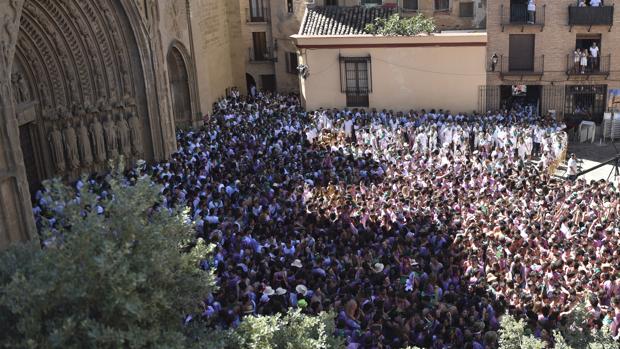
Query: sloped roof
(333, 20)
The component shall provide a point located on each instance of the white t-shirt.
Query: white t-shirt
(531, 6)
(572, 167)
(595, 3)
(594, 50)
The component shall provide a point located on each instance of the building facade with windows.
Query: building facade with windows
(267, 27)
(560, 58)
(271, 56)
(345, 67)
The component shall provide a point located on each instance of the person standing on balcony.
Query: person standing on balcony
(594, 56)
(531, 11)
(584, 61)
(576, 59)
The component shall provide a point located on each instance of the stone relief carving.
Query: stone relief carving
(124, 136)
(56, 146)
(96, 133)
(109, 129)
(21, 91)
(71, 147)
(84, 149)
(76, 53)
(135, 131)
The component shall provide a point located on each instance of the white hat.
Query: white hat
(280, 291)
(268, 291)
(301, 289)
(297, 263)
(378, 267)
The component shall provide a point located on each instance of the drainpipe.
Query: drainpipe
(193, 54)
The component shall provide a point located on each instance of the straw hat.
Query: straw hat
(280, 291)
(302, 290)
(269, 291)
(378, 267)
(297, 263)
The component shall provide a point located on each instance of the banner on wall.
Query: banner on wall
(613, 100)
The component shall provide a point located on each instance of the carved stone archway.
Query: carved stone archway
(182, 85)
(81, 82)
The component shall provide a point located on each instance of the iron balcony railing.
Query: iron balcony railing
(517, 14)
(520, 66)
(261, 55)
(600, 15)
(257, 15)
(594, 67)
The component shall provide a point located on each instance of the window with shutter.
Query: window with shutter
(291, 62)
(442, 5)
(466, 9)
(410, 5)
(356, 80)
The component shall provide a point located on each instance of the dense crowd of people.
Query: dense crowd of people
(416, 228)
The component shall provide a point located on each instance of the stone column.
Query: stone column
(16, 219)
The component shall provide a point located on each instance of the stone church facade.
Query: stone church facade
(85, 81)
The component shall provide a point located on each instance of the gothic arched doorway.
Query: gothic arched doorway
(179, 88)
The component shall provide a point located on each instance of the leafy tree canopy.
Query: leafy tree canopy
(397, 26)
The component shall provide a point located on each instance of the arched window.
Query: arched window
(179, 88)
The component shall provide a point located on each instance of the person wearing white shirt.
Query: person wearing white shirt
(594, 55)
(531, 11)
(572, 167)
(348, 129)
(595, 3)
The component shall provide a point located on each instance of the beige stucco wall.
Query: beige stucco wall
(402, 77)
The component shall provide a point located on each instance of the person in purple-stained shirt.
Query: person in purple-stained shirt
(425, 245)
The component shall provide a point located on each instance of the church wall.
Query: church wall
(217, 42)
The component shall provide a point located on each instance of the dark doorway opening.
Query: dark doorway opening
(518, 11)
(521, 96)
(268, 82)
(585, 102)
(584, 43)
(249, 81)
(25, 140)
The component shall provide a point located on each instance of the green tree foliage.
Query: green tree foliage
(292, 330)
(123, 279)
(397, 26)
(513, 335)
(127, 279)
(576, 335)
(579, 335)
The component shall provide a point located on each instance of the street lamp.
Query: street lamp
(494, 60)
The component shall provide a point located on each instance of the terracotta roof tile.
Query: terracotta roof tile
(331, 20)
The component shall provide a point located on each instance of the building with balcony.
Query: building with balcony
(267, 26)
(547, 58)
(343, 66)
